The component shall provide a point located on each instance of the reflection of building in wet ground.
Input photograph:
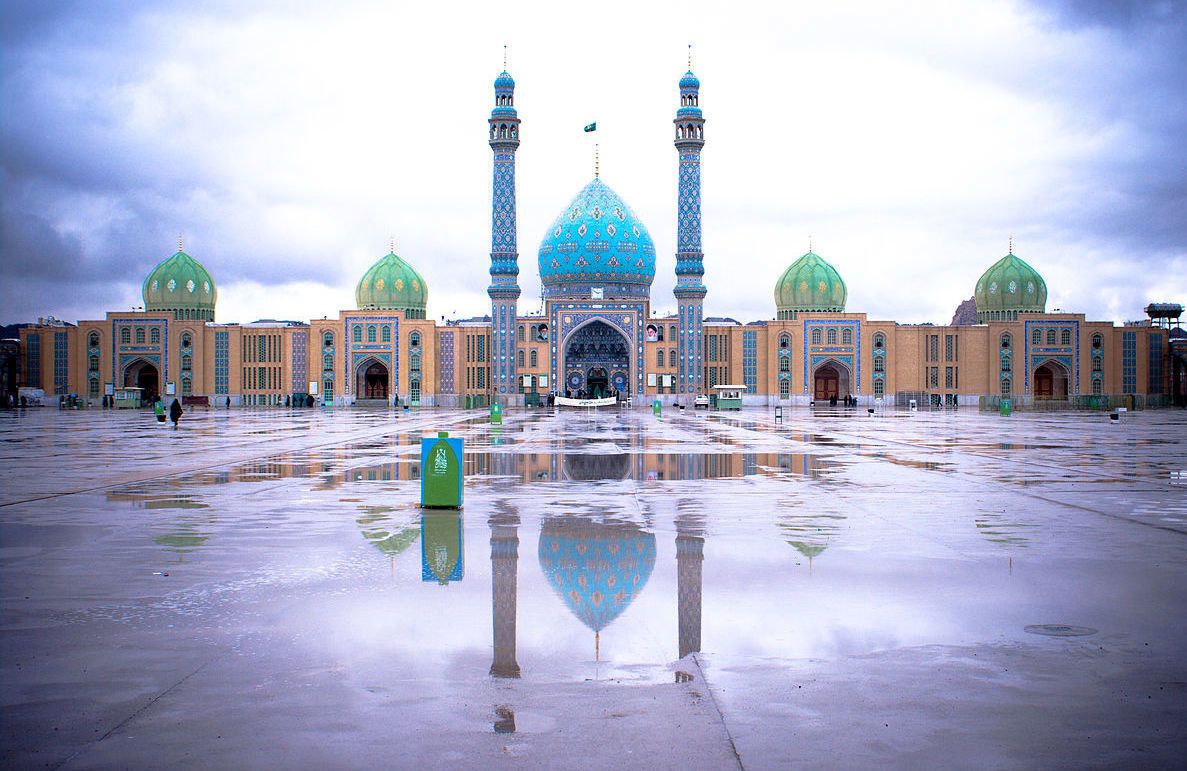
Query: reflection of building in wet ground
(442, 553)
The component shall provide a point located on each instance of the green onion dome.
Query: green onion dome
(393, 285)
(1008, 288)
(809, 284)
(181, 286)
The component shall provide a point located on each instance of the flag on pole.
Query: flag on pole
(591, 127)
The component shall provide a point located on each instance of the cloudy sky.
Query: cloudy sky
(289, 142)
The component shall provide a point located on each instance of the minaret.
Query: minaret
(504, 258)
(690, 290)
(690, 550)
(504, 557)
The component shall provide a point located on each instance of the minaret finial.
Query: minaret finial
(393, 244)
(597, 170)
(690, 57)
(811, 245)
(179, 244)
(1011, 243)
(504, 57)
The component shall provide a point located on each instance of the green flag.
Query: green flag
(591, 127)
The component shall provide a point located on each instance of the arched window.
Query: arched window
(1051, 336)
(879, 388)
(831, 336)
(327, 340)
(357, 334)
(521, 356)
(1005, 386)
(522, 333)
(1006, 340)
(1007, 364)
(414, 387)
(784, 364)
(1065, 337)
(93, 363)
(532, 357)
(784, 388)
(93, 388)
(93, 339)
(1097, 341)
(125, 336)
(672, 334)
(370, 333)
(1097, 364)
(186, 340)
(785, 340)
(414, 339)
(1036, 337)
(385, 334)
(187, 363)
(879, 363)
(659, 357)
(816, 336)
(672, 360)
(846, 336)
(139, 335)
(154, 336)
(1097, 386)
(187, 386)
(414, 362)
(879, 340)
(327, 363)
(327, 390)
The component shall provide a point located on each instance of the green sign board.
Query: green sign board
(656, 407)
(1005, 407)
(496, 414)
(441, 474)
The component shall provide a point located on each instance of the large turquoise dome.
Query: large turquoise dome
(810, 284)
(181, 286)
(1008, 288)
(597, 242)
(392, 285)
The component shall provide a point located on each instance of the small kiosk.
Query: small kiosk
(127, 398)
(729, 397)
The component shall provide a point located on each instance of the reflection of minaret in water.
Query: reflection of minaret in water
(504, 557)
(690, 546)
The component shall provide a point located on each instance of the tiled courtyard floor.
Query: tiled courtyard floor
(260, 588)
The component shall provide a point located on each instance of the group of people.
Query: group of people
(175, 411)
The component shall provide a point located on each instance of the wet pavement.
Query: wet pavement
(262, 589)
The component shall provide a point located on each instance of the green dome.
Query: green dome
(1009, 287)
(392, 285)
(809, 284)
(181, 285)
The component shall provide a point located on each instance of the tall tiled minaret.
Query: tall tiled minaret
(690, 290)
(504, 257)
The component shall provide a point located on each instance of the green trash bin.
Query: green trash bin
(441, 474)
(496, 414)
(1005, 408)
(656, 407)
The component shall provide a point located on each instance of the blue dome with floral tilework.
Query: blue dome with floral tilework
(504, 80)
(689, 81)
(597, 243)
(597, 568)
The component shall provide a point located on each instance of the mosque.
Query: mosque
(597, 335)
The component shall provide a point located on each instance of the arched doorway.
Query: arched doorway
(830, 380)
(372, 380)
(1050, 381)
(596, 361)
(143, 374)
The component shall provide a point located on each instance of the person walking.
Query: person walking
(174, 412)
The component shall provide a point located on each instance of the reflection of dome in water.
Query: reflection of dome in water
(596, 568)
(379, 530)
(581, 467)
(187, 537)
(808, 550)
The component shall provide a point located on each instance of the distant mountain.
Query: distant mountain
(966, 314)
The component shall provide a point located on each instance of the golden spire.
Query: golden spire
(690, 57)
(393, 244)
(179, 245)
(596, 162)
(504, 57)
(1011, 243)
